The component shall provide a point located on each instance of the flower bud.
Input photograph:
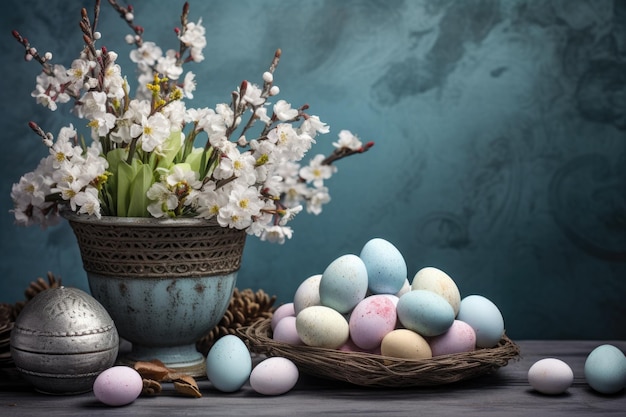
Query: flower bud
(268, 77)
(274, 90)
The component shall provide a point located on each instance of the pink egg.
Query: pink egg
(458, 339)
(371, 320)
(119, 385)
(286, 332)
(281, 312)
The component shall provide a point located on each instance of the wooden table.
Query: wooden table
(503, 393)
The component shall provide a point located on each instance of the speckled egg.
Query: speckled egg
(437, 281)
(322, 326)
(425, 312)
(344, 283)
(307, 294)
(550, 376)
(228, 363)
(386, 267)
(405, 344)
(484, 317)
(371, 320)
(459, 338)
(118, 385)
(605, 369)
(274, 376)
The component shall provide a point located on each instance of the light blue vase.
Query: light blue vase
(165, 282)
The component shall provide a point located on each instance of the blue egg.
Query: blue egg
(605, 369)
(228, 363)
(484, 317)
(425, 312)
(343, 284)
(386, 267)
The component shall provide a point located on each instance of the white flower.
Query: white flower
(317, 198)
(164, 200)
(348, 140)
(148, 53)
(316, 172)
(277, 234)
(284, 112)
(154, 130)
(189, 85)
(88, 202)
(243, 204)
(253, 95)
(194, 38)
(168, 65)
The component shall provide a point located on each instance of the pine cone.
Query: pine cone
(244, 309)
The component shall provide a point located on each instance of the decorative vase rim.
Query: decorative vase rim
(139, 221)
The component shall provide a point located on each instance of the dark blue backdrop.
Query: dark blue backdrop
(499, 127)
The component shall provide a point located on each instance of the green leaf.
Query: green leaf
(170, 149)
(125, 176)
(138, 204)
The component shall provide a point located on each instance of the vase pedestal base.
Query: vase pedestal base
(183, 359)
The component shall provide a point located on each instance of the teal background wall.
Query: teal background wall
(500, 129)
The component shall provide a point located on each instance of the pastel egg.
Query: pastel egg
(228, 363)
(484, 317)
(274, 376)
(344, 283)
(371, 320)
(322, 326)
(118, 385)
(437, 281)
(386, 267)
(550, 376)
(281, 312)
(406, 287)
(307, 294)
(459, 338)
(605, 369)
(405, 344)
(286, 331)
(425, 312)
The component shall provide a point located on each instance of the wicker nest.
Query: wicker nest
(372, 370)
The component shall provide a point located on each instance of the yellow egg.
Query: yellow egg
(322, 326)
(405, 344)
(437, 281)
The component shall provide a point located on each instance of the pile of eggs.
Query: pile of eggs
(366, 303)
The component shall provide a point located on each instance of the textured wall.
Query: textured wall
(500, 129)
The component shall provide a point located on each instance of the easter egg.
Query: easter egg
(322, 326)
(228, 363)
(425, 312)
(437, 281)
(484, 317)
(550, 376)
(286, 331)
(459, 338)
(405, 344)
(281, 312)
(386, 267)
(307, 294)
(344, 283)
(371, 320)
(274, 376)
(605, 369)
(118, 385)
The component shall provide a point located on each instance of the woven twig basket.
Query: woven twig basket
(378, 371)
(152, 248)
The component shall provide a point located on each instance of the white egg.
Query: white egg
(118, 385)
(322, 326)
(550, 376)
(274, 376)
(437, 281)
(307, 294)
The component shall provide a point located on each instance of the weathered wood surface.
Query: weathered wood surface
(504, 393)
